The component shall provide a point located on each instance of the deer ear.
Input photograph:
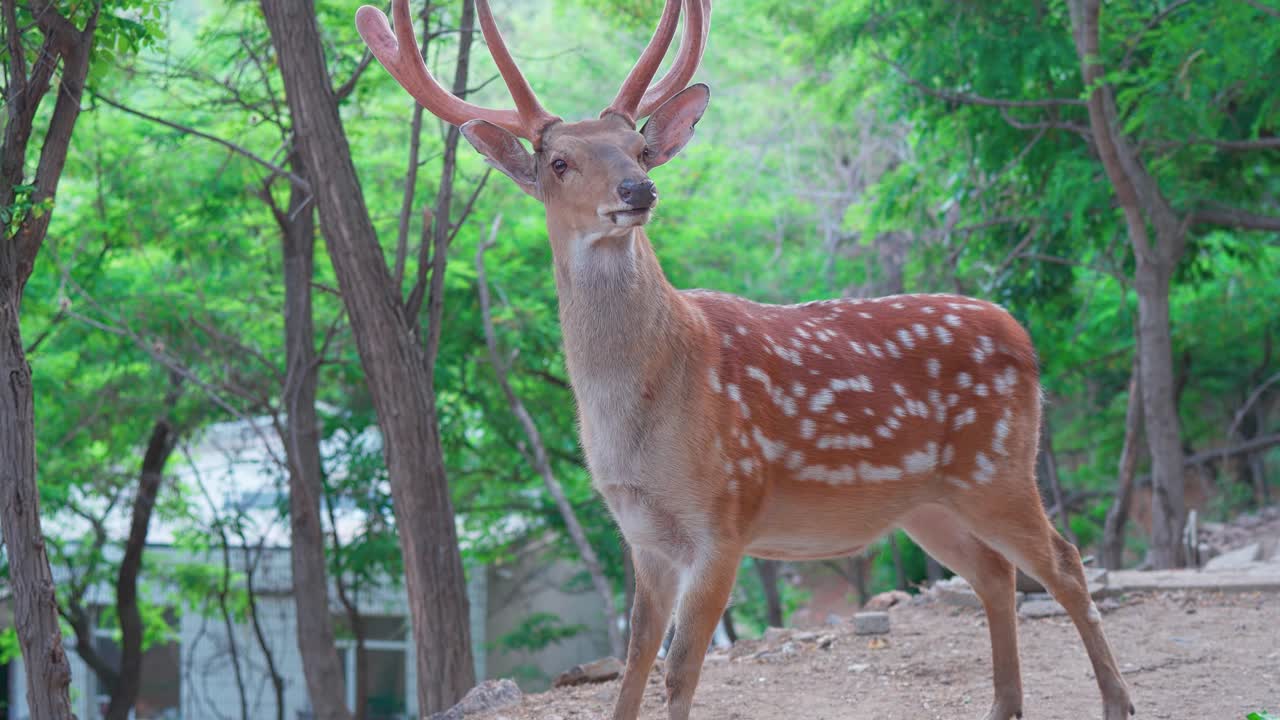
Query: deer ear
(503, 150)
(670, 127)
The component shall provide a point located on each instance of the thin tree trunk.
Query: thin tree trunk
(1168, 507)
(395, 366)
(1140, 198)
(229, 623)
(1055, 482)
(899, 571)
(730, 630)
(159, 447)
(768, 571)
(35, 606)
(536, 454)
(859, 565)
(1118, 514)
(259, 634)
(354, 619)
(321, 667)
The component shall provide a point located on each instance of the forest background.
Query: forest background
(1108, 174)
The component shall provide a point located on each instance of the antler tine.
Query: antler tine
(637, 82)
(693, 42)
(400, 55)
(526, 101)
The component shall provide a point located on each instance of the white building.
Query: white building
(209, 670)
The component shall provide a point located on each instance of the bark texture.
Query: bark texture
(1140, 198)
(164, 437)
(1118, 513)
(395, 365)
(35, 607)
(301, 435)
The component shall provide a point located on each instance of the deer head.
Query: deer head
(593, 175)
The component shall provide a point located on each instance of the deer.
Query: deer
(715, 427)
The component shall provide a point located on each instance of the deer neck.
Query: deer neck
(624, 325)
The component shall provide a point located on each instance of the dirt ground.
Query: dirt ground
(1185, 656)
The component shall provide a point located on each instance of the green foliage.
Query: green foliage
(536, 632)
(820, 169)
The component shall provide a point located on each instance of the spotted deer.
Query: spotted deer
(716, 427)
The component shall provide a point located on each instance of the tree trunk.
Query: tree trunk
(899, 571)
(159, 448)
(1118, 513)
(1055, 481)
(35, 606)
(730, 630)
(768, 570)
(1168, 508)
(394, 364)
(859, 566)
(537, 456)
(320, 663)
(1140, 198)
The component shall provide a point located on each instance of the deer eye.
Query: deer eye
(559, 166)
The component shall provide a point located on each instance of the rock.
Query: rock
(833, 619)
(805, 637)
(956, 591)
(1256, 577)
(886, 600)
(1235, 559)
(826, 641)
(871, 623)
(776, 636)
(859, 667)
(488, 695)
(1041, 609)
(597, 671)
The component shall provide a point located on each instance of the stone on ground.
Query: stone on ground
(1235, 559)
(871, 623)
(488, 695)
(886, 600)
(597, 671)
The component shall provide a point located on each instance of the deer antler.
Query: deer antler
(697, 24)
(636, 98)
(400, 55)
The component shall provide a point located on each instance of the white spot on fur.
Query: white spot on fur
(892, 348)
(1006, 380)
(844, 442)
(735, 393)
(713, 377)
(934, 367)
(944, 335)
(857, 347)
(948, 454)
(795, 459)
(968, 417)
(808, 428)
(840, 417)
(927, 310)
(821, 400)
(797, 389)
(921, 331)
(742, 329)
(748, 465)
(904, 336)
(952, 320)
(980, 390)
(842, 475)
(921, 461)
(884, 432)
(964, 380)
(985, 471)
(772, 450)
(1002, 430)
(878, 473)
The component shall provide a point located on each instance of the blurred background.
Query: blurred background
(201, 404)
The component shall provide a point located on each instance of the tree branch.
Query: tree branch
(1236, 219)
(237, 149)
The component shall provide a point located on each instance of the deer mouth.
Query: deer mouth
(630, 217)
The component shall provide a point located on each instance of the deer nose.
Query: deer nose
(637, 193)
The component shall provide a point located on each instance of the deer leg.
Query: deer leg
(992, 576)
(706, 592)
(656, 582)
(1008, 516)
